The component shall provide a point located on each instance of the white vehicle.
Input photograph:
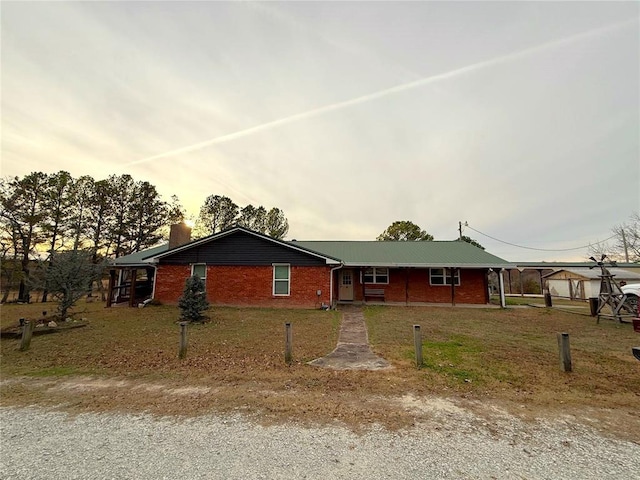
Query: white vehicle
(632, 291)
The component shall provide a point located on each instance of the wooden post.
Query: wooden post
(521, 285)
(406, 286)
(112, 282)
(453, 286)
(541, 281)
(547, 300)
(27, 331)
(182, 353)
(288, 341)
(565, 352)
(132, 289)
(417, 341)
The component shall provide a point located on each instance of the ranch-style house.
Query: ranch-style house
(241, 267)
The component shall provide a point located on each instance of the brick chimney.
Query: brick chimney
(179, 235)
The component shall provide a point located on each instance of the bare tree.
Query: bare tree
(69, 277)
(625, 244)
(627, 239)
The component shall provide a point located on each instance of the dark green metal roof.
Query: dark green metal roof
(370, 253)
(137, 259)
(407, 254)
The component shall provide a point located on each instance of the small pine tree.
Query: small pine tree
(193, 302)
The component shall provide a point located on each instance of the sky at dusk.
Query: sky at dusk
(520, 118)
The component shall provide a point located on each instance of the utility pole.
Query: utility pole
(460, 230)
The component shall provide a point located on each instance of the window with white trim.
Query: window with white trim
(442, 276)
(375, 275)
(199, 269)
(281, 279)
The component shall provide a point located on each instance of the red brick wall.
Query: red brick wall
(247, 285)
(472, 289)
(170, 282)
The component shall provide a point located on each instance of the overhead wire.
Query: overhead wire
(533, 248)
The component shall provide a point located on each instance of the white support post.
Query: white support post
(503, 300)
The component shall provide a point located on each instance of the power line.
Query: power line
(533, 248)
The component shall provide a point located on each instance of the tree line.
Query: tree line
(219, 213)
(45, 214)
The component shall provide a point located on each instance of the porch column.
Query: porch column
(453, 286)
(132, 289)
(406, 286)
(503, 301)
(112, 281)
(509, 277)
(487, 291)
(520, 278)
(541, 284)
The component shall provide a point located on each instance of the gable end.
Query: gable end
(241, 248)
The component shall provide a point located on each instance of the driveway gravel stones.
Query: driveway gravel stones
(41, 444)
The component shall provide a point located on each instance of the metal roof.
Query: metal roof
(594, 273)
(138, 258)
(357, 253)
(407, 254)
(559, 265)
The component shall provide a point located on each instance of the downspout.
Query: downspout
(331, 284)
(155, 277)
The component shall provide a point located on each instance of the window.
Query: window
(199, 269)
(375, 275)
(281, 279)
(442, 276)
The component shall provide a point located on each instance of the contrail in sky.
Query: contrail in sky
(389, 91)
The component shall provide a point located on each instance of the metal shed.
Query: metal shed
(582, 283)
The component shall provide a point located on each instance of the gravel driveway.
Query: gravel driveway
(39, 444)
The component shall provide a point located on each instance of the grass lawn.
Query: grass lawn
(126, 360)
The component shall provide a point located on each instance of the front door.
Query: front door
(346, 285)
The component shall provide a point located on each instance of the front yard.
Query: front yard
(126, 360)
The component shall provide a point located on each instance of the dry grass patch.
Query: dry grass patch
(126, 359)
(513, 354)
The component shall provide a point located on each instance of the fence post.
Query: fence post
(547, 300)
(183, 340)
(288, 340)
(27, 331)
(565, 352)
(417, 342)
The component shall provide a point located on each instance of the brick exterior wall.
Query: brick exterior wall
(247, 285)
(473, 287)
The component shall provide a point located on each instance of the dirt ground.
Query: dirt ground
(311, 407)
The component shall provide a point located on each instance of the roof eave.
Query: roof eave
(428, 265)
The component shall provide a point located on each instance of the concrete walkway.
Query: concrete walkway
(353, 351)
